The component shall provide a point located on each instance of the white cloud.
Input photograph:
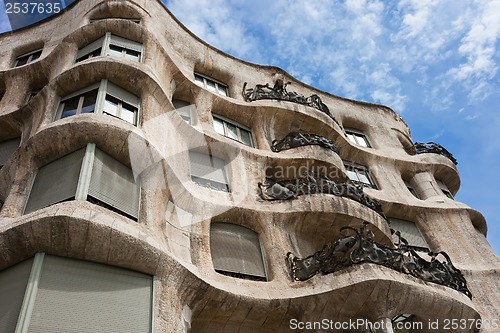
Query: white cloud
(478, 46)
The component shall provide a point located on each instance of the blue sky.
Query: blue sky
(436, 62)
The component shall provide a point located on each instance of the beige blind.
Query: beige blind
(121, 94)
(90, 48)
(210, 168)
(126, 43)
(236, 249)
(55, 182)
(409, 231)
(13, 282)
(85, 297)
(7, 148)
(113, 183)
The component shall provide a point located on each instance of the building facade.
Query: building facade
(152, 183)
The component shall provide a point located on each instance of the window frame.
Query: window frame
(411, 189)
(404, 232)
(105, 42)
(205, 79)
(29, 57)
(83, 190)
(7, 149)
(218, 186)
(444, 189)
(239, 127)
(104, 88)
(261, 249)
(357, 136)
(360, 171)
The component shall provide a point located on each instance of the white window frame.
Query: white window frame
(105, 43)
(30, 57)
(357, 137)
(360, 171)
(205, 81)
(185, 110)
(105, 87)
(445, 189)
(225, 121)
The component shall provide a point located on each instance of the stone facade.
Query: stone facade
(170, 238)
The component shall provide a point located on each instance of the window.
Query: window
(359, 175)
(208, 171)
(411, 189)
(185, 110)
(444, 189)
(409, 231)
(113, 101)
(86, 174)
(357, 138)
(7, 148)
(233, 131)
(27, 58)
(236, 251)
(211, 84)
(32, 94)
(55, 294)
(111, 45)
(135, 20)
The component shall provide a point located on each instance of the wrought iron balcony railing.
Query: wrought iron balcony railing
(360, 247)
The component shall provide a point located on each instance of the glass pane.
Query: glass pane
(351, 137)
(89, 99)
(211, 85)
(222, 90)
(232, 131)
(246, 137)
(115, 51)
(128, 113)
(21, 61)
(111, 105)
(362, 141)
(70, 107)
(364, 178)
(352, 175)
(132, 55)
(35, 56)
(219, 126)
(199, 80)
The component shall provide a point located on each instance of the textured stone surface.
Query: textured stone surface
(171, 239)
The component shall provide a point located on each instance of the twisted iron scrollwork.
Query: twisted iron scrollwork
(359, 247)
(296, 139)
(313, 184)
(435, 148)
(279, 92)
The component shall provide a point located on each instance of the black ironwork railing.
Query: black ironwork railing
(279, 92)
(296, 139)
(435, 148)
(313, 184)
(360, 247)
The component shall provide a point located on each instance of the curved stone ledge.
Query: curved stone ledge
(79, 232)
